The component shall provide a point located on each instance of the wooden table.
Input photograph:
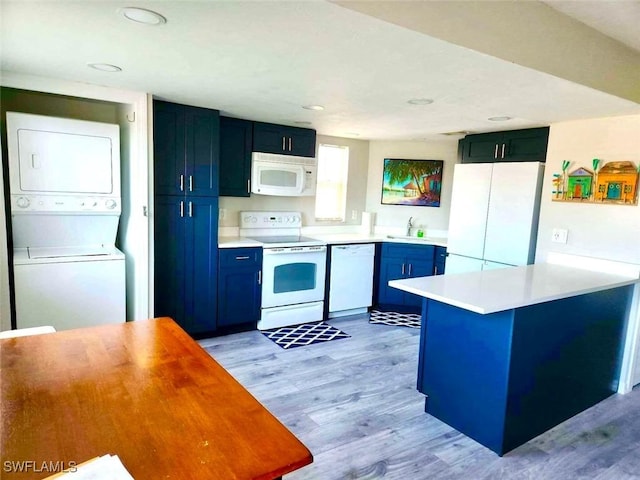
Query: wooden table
(142, 390)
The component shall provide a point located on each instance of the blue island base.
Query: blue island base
(504, 378)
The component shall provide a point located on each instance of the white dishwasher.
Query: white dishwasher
(351, 279)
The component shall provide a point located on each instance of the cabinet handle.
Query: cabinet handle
(403, 269)
(259, 277)
(249, 186)
(435, 270)
(502, 150)
(289, 143)
(191, 183)
(409, 269)
(245, 257)
(181, 183)
(190, 209)
(495, 152)
(181, 208)
(283, 140)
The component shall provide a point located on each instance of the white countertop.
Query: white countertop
(492, 291)
(337, 238)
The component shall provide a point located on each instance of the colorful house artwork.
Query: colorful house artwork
(617, 182)
(579, 183)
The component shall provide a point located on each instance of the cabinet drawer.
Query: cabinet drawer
(408, 250)
(230, 257)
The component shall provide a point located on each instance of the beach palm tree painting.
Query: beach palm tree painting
(412, 182)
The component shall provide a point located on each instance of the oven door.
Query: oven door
(293, 275)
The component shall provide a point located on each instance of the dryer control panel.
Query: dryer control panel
(75, 204)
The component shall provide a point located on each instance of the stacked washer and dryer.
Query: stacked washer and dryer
(64, 182)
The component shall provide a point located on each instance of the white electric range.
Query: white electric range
(293, 268)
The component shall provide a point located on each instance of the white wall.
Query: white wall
(430, 219)
(610, 232)
(356, 191)
(604, 231)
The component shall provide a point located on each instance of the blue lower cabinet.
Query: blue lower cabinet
(439, 260)
(402, 261)
(186, 261)
(506, 377)
(239, 286)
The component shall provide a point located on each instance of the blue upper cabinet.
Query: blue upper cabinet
(236, 137)
(272, 138)
(527, 145)
(186, 144)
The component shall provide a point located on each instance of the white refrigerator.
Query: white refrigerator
(494, 215)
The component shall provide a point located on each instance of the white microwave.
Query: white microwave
(283, 175)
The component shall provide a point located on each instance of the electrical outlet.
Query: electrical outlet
(559, 235)
(222, 214)
(354, 214)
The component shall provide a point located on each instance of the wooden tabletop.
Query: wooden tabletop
(142, 390)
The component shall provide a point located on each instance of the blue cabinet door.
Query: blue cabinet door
(235, 157)
(201, 216)
(186, 146)
(202, 129)
(239, 286)
(439, 260)
(418, 267)
(168, 149)
(398, 261)
(391, 268)
(281, 139)
(171, 265)
(185, 266)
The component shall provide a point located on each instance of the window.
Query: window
(331, 189)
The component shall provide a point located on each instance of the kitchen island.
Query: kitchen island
(507, 354)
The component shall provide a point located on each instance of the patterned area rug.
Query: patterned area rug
(394, 318)
(305, 334)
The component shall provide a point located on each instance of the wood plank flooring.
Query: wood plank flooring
(354, 404)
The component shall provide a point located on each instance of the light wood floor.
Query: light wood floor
(353, 402)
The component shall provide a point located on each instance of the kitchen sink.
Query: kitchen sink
(407, 237)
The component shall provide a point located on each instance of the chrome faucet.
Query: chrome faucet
(409, 225)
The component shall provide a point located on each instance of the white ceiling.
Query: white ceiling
(265, 60)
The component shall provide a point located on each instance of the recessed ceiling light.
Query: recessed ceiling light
(498, 119)
(105, 67)
(420, 101)
(142, 15)
(313, 107)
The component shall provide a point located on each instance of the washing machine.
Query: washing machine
(64, 180)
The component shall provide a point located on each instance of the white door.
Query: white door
(469, 203)
(351, 277)
(512, 216)
(460, 264)
(487, 265)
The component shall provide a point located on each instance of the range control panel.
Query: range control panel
(270, 220)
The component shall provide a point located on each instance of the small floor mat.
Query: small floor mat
(305, 334)
(395, 318)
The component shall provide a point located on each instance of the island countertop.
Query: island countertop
(492, 291)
